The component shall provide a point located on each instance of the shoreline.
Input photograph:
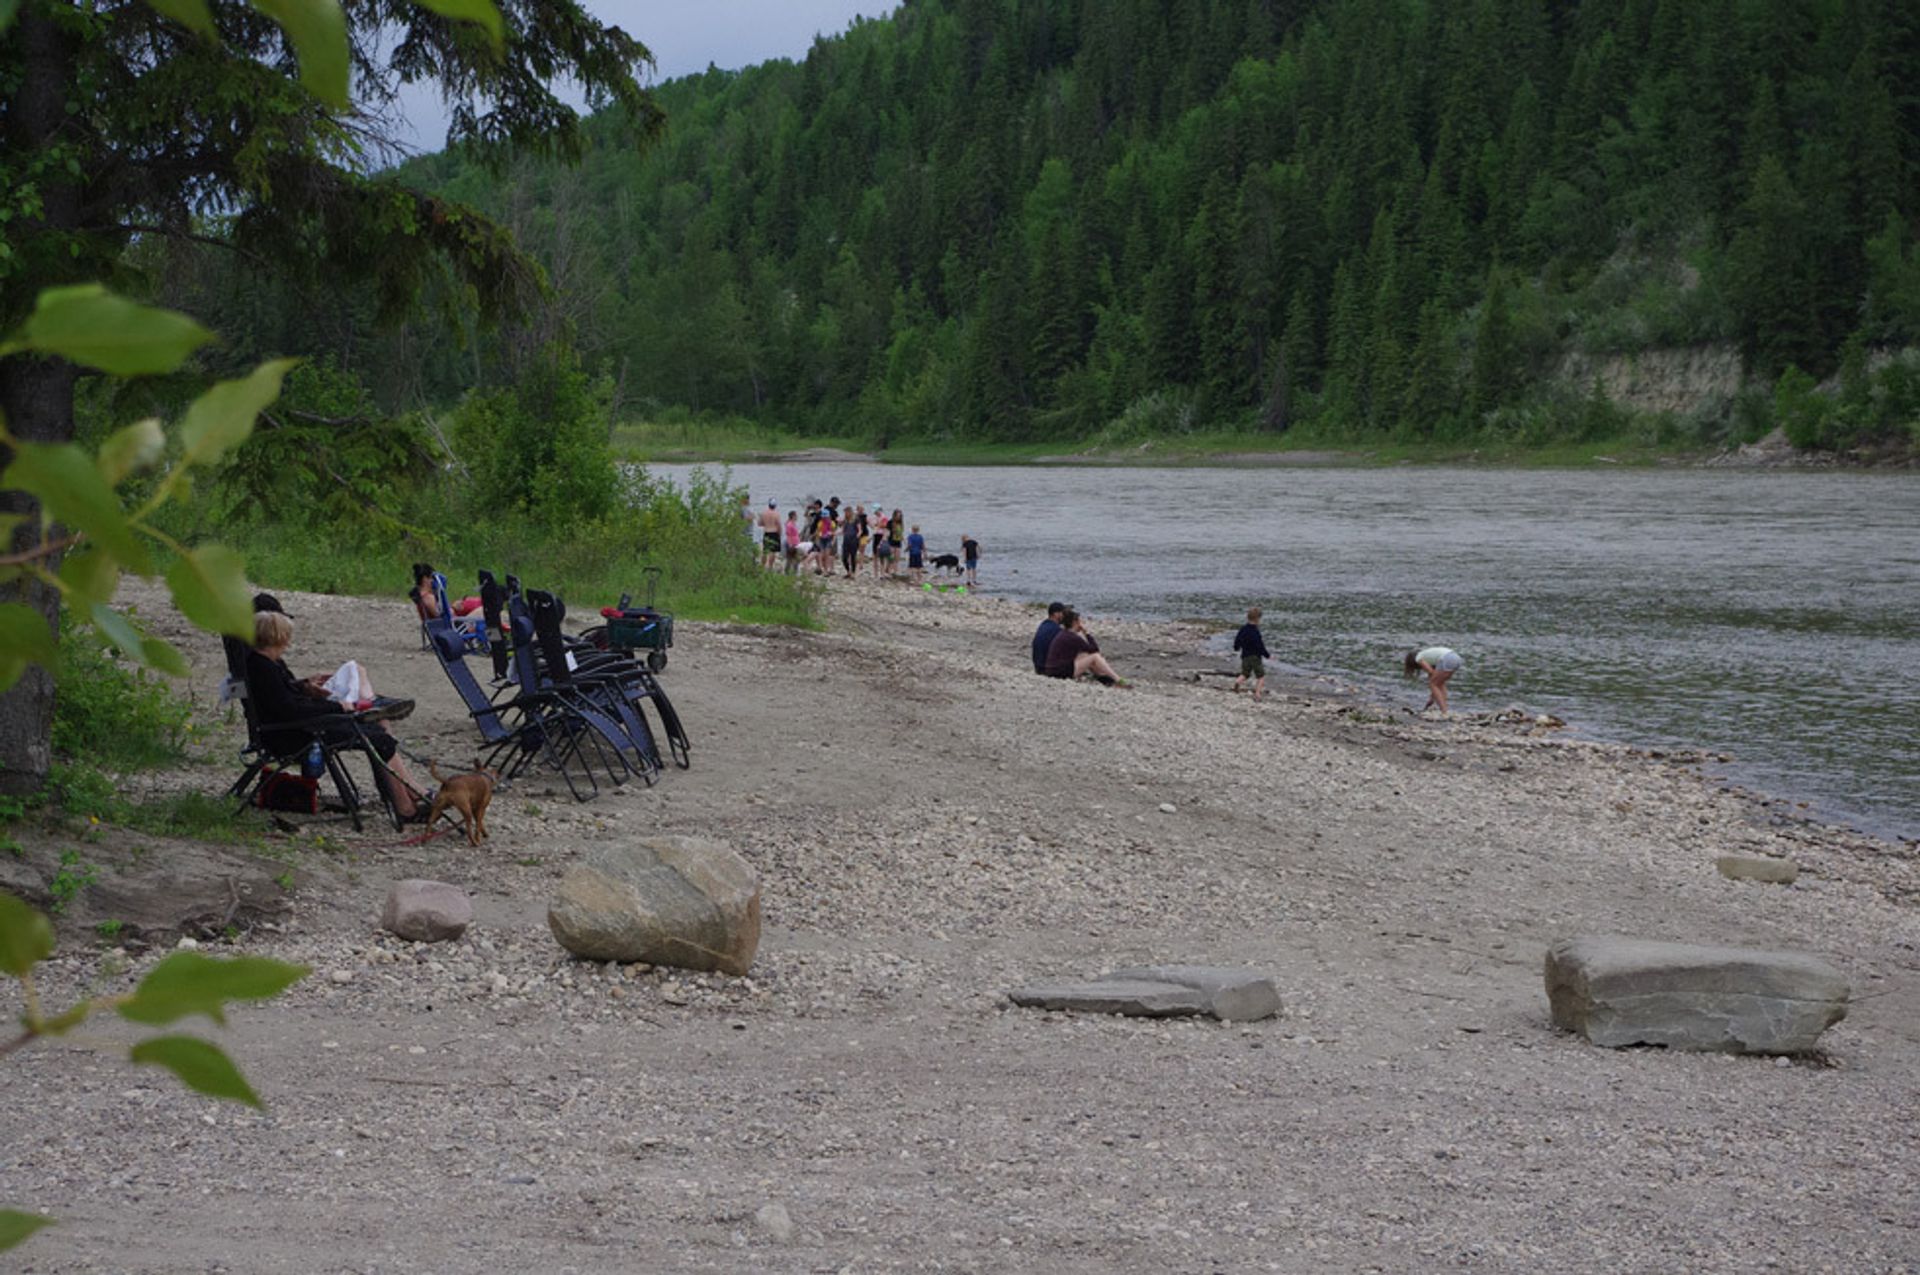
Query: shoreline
(1740, 459)
(933, 824)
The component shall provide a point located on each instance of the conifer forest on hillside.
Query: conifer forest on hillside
(1024, 220)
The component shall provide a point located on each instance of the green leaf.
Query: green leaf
(15, 1226)
(91, 326)
(7, 9)
(25, 638)
(74, 494)
(189, 983)
(222, 418)
(210, 587)
(116, 628)
(93, 576)
(7, 523)
(26, 936)
(485, 12)
(318, 32)
(130, 449)
(191, 14)
(159, 653)
(202, 1067)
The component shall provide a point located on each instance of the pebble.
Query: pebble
(775, 1221)
(341, 976)
(1167, 808)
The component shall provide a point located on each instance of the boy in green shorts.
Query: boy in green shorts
(1253, 654)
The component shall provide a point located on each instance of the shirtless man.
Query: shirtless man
(770, 535)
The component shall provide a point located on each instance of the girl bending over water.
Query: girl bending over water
(1439, 663)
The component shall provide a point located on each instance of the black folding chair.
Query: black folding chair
(336, 735)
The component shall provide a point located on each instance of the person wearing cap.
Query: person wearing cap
(770, 534)
(1044, 635)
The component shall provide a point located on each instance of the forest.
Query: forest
(1019, 220)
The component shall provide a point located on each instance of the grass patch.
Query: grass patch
(681, 436)
(109, 714)
(76, 792)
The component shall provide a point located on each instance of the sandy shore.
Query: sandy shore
(933, 824)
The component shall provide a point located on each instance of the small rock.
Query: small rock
(1744, 867)
(1167, 808)
(341, 976)
(426, 911)
(775, 1221)
(187, 945)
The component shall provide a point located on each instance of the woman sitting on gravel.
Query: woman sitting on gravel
(1439, 663)
(282, 700)
(1074, 654)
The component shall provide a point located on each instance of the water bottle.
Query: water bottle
(316, 763)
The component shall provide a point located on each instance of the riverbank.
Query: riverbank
(1252, 451)
(933, 824)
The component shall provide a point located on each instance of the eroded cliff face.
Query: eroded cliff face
(1698, 380)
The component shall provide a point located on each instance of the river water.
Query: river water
(1773, 615)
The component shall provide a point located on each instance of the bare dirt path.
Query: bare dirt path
(932, 825)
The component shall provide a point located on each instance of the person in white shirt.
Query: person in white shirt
(1439, 663)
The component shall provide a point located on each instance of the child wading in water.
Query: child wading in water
(1253, 654)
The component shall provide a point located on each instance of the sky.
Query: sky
(685, 36)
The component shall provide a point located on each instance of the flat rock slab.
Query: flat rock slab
(1621, 991)
(1747, 867)
(1113, 996)
(1234, 995)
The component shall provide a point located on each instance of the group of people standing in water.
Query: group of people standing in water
(828, 536)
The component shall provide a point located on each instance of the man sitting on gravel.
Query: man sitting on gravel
(1074, 653)
(1044, 635)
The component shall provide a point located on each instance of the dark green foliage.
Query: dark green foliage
(108, 714)
(1015, 220)
(539, 450)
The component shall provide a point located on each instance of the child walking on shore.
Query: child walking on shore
(1253, 654)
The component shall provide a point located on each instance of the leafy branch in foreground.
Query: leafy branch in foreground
(184, 984)
(98, 535)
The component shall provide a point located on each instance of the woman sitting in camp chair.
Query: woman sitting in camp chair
(281, 699)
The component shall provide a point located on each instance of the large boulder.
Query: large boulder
(1620, 991)
(680, 901)
(427, 911)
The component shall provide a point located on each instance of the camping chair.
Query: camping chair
(636, 686)
(515, 730)
(570, 669)
(575, 725)
(336, 734)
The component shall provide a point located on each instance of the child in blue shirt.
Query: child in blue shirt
(916, 553)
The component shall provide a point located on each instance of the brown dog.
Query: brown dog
(469, 794)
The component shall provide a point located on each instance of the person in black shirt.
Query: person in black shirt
(970, 552)
(1044, 635)
(1074, 653)
(1253, 654)
(283, 700)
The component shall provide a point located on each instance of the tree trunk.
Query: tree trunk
(36, 394)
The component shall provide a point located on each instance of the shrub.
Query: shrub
(540, 448)
(109, 714)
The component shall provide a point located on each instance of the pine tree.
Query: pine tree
(1496, 374)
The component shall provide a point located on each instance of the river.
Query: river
(1772, 615)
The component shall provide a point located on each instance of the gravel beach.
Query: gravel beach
(932, 825)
